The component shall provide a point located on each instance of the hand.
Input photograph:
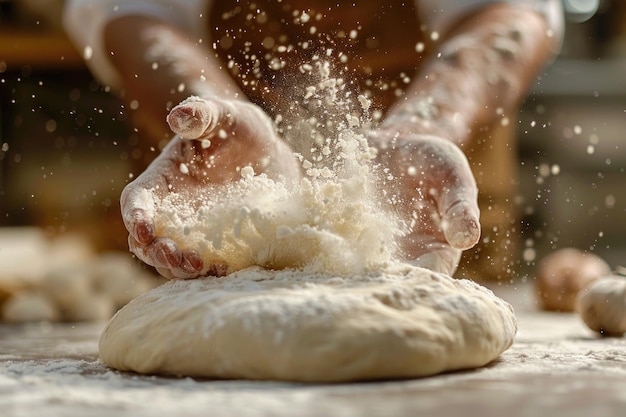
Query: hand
(433, 185)
(215, 138)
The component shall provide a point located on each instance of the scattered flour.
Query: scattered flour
(330, 220)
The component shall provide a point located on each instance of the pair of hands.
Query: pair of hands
(431, 178)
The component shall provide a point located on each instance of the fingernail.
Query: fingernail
(161, 256)
(191, 263)
(144, 232)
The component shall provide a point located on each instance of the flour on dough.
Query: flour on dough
(403, 321)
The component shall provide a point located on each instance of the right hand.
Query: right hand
(215, 139)
(432, 185)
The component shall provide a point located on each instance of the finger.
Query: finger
(460, 215)
(461, 224)
(160, 253)
(165, 253)
(136, 204)
(140, 225)
(138, 249)
(192, 262)
(190, 267)
(194, 118)
(166, 273)
(168, 260)
(444, 260)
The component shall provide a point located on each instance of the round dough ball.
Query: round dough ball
(94, 307)
(27, 307)
(68, 285)
(562, 274)
(118, 277)
(288, 325)
(602, 306)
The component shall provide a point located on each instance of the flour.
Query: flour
(330, 220)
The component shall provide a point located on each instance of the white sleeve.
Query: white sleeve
(441, 15)
(84, 22)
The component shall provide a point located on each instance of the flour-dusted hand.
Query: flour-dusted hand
(431, 185)
(215, 139)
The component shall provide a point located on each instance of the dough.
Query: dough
(63, 279)
(563, 274)
(403, 321)
(602, 306)
(28, 307)
(119, 278)
(95, 307)
(67, 285)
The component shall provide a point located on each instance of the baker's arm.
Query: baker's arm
(477, 70)
(154, 61)
(480, 69)
(153, 53)
(162, 66)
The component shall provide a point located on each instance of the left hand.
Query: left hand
(434, 185)
(216, 138)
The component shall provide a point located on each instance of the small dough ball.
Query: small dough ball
(118, 277)
(563, 274)
(602, 306)
(27, 307)
(68, 285)
(69, 249)
(91, 308)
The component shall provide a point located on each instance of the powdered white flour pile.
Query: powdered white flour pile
(325, 223)
(314, 292)
(330, 220)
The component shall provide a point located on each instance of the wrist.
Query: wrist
(424, 116)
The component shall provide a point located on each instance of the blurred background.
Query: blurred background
(66, 152)
(67, 148)
(66, 143)
(570, 134)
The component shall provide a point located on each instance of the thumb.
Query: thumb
(138, 208)
(196, 118)
(461, 219)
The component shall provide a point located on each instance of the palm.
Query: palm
(433, 190)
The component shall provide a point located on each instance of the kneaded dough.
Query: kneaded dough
(400, 322)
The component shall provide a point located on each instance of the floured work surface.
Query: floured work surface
(556, 367)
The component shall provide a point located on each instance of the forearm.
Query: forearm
(160, 66)
(479, 72)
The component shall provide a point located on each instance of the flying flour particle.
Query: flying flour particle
(331, 220)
